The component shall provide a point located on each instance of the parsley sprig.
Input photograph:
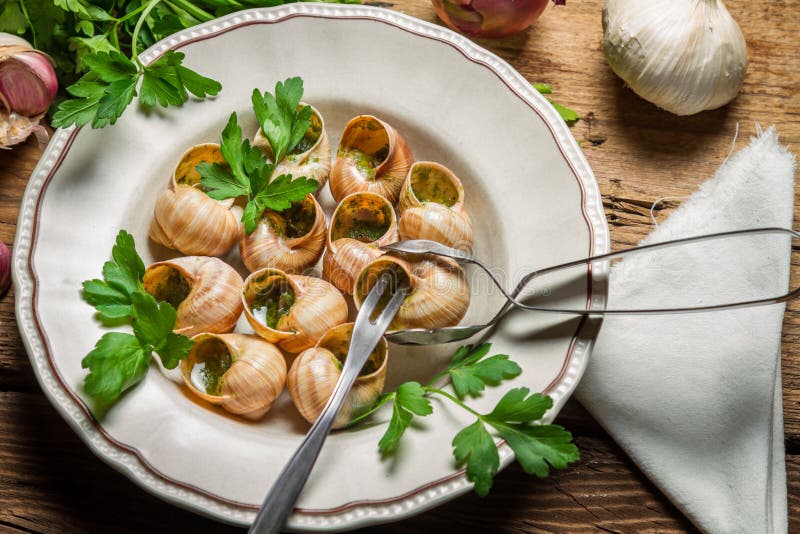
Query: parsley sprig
(514, 418)
(119, 360)
(248, 173)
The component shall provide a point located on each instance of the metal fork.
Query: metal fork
(366, 334)
(422, 336)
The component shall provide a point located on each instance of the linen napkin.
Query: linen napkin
(695, 399)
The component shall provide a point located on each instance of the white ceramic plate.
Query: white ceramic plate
(529, 190)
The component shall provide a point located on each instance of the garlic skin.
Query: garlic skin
(685, 56)
(255, 374)
(314, 373)
(206, 293)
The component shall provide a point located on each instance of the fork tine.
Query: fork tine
(390, 310)
(375, 294)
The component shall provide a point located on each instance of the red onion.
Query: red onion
(5, 268)
(490, 18)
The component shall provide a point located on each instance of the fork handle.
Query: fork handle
(284, 492)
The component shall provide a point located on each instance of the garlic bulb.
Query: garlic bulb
(243, 374)
(685, 56)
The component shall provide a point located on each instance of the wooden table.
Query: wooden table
(50, 482)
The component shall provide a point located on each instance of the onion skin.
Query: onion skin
(489, 18)
(5, 268)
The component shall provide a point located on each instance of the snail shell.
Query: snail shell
(243, 374)
(291, 310)
(185, 218)
(205, 291)
(291, 240)
(315, 372)
(373, 157)
(439, 294)
(312, 155)
(431, 207)
(361, 223)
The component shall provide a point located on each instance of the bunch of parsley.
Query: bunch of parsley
(118, 360)
(95, 45)
(514, 418)
(247, 173)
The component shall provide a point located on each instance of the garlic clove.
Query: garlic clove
(28, 83)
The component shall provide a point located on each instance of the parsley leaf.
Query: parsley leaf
(535, 446)
(281, 192)
(117, 362)
(282, 123)
(475, 447)
(121, 278)
(110, 66)
(569, 116)
(470, 373)
(409, 400)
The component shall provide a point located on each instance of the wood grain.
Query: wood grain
(50, 482)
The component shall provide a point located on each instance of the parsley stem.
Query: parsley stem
(454, 399)
(30, 24)
(200, 14)
(135, 38)
(374, 409)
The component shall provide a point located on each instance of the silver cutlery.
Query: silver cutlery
(422, 336)
(367, 332)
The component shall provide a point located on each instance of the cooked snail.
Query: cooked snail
(243, 374)
(373, 157)
(361, 223)
(185, 218)
(431, 207)
(205, 291)
(292, 311)
(310, 158)
(438, 297)
(315, 372)
(291, 240)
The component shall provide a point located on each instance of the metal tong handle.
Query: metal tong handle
(421, 246)
(280, 500)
